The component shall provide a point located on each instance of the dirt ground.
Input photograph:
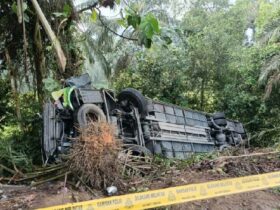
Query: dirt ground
(55, 193)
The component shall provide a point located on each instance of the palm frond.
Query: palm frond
(271, 33)
(272, 81)
(269, 68)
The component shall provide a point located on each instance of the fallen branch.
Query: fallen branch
(50, 179)
(86, 185)
(242, 156)
(12, 187)
(48, 169)
(8, 169)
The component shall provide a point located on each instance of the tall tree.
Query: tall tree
(215, 29)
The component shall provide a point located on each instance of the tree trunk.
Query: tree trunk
(39, 59)
(25, 43)
(62, 29)
(55, 42)
(202, 94)
(12, 74)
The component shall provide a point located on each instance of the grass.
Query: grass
(181, 164)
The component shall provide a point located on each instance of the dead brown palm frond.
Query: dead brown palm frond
(270, 74)
(94, 156)
(270, 67)
(271, 32)
(272, 81)
(270, 36)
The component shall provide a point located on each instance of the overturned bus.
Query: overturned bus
(155, 127)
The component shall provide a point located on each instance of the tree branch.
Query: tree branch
(90, 7)
(112, 31)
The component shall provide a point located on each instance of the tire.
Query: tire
(219, 115)
(220, 122)
(96, 114)
(135, 98)
(224, 147)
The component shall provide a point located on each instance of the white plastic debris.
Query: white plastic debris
(112, 190)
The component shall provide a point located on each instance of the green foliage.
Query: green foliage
(133, 20)
(5, 108)
(159, 74)
(266, 12)
(15, 8)
(197, 57)
(30, 77)
(167, 163)
(208, 65)
(94, 15)
(192, 70)
(20, 143)
(67, 10)
(24, 8)
(51, 85)
(145, 26)
(149, 26)
(12, 151)
(197, 158)
(276, 190)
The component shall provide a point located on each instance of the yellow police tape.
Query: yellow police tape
(175, 195)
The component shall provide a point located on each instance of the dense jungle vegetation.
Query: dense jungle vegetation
(207, 55)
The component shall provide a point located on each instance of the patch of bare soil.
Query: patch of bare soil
(226, 166)
(48, 194)
(262, 200)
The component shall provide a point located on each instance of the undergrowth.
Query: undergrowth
(194, 158)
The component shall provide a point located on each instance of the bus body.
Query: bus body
(156, 127)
